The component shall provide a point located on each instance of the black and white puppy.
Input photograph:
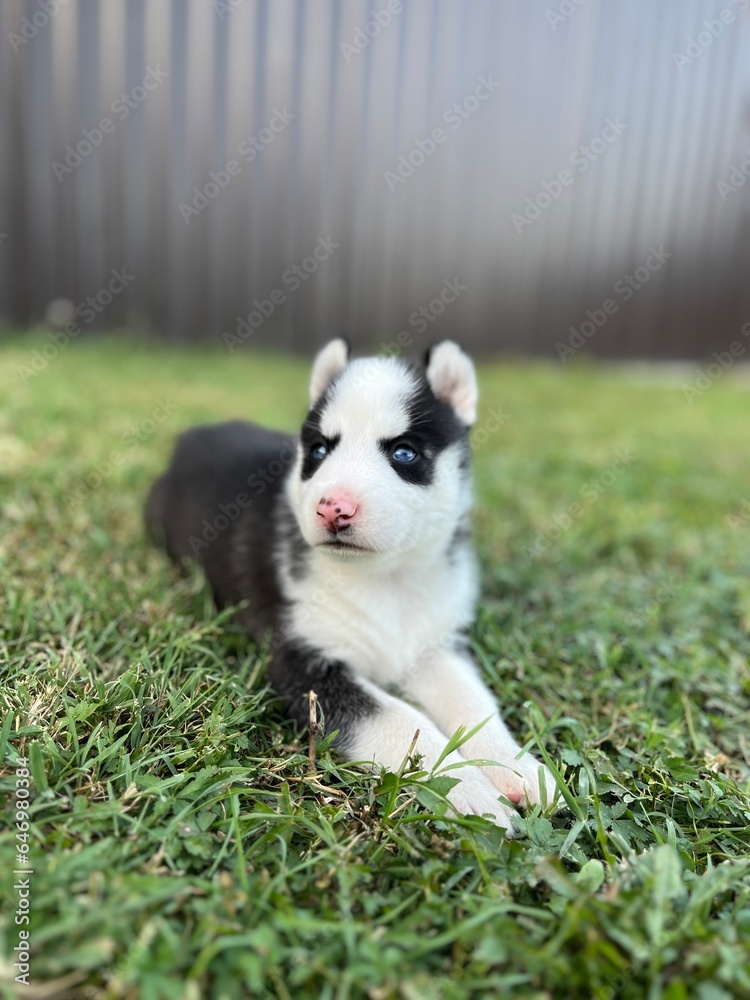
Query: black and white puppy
(351, 545)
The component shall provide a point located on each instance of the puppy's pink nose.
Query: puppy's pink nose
(337, 512)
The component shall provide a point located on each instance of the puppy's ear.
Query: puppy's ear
(452, 378)
(328, 363)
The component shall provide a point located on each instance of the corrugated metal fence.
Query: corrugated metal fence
(521, 175)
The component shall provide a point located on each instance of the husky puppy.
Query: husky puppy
(351, 545)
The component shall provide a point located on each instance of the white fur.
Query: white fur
(451, 374)
(450, 690)
(393, 614)
(368, 405)
(328, 363)
(387, 738)
(381, 620)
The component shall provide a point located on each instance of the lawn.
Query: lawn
(180, 848)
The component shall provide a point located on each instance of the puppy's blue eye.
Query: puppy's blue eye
(318, 452)
(403, 454)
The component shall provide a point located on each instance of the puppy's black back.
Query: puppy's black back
(218, 503)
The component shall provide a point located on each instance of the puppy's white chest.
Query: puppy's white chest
(381, 626)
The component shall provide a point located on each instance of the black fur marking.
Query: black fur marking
(419, 472)
(295, 547)
(433, 427)
(218, 504)
(296, 669)
(464, 463)
(428, 414)
(462, 642)
(461, 538)
(312, 435)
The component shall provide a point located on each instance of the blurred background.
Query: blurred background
(543, 177)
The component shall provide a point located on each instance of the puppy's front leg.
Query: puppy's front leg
(447, 685)
(374, 726)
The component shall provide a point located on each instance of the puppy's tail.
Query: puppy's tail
(154, 513)
(161, 518)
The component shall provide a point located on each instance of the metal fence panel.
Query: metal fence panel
(274, 172)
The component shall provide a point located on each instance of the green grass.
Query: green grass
(179, 846)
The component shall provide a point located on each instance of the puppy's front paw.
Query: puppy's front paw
(520, 781)
(476, 795)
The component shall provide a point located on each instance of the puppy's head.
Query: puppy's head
(383, 463)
